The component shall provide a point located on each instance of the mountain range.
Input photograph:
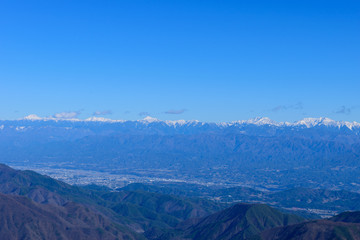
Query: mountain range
(259, 153)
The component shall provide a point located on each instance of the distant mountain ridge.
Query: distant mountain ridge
(53, 129)
(306, 122)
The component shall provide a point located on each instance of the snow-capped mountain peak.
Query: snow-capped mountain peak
(262, 121)
(149, 119)
(33, 117)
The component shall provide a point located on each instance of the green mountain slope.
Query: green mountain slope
(241, 221)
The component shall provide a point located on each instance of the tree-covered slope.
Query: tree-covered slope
(241, 221)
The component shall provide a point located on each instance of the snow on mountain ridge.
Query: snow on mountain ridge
(32, 117)
(312, 122)
(323, 121)
(263, 121)
(149, 119)
(182, 122)
(259, 121)
(102, 119)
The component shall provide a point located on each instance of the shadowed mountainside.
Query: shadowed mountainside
(343, 226)
(352, 217)
(241, 221)
(22, 218)
(315, 230)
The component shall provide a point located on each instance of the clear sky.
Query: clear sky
(179, 59)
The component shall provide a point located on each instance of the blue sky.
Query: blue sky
(205, 60)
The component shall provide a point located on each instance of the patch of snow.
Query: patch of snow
(224, 124)
(176, 122)
(20, 128)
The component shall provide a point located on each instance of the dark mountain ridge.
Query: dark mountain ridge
(132, 211)
(343, 226)
(22, 218)
(241, 221)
